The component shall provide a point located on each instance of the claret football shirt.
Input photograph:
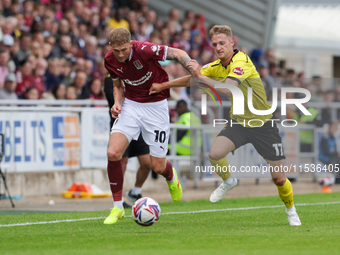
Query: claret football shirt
(140, 71)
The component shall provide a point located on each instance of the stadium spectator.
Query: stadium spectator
(25, 45)
(119, 20)
(101, 71)
(328, 152)
(4, 57)
(184, 145)
(25, 78)
(326, 113)
(27, 15)
(38, 72)
(104, 16)
(256, 57)
(52, 75)
(59, 91)
(149, 23)
(8, 91)
(65, 45)
(273, 77)
(90, 49)
(36, 49)
(174, 20)
(96, 89)
(31, 93)
(80, 85)
(307, 136)
(7, 42)
(88, 67)
(7, 8)
(316, 83)
(189, 17)
(46, 50)
(71, 93)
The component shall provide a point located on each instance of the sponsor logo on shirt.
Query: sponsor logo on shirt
(143, 46)
(138, 64)
(140, 81)
(156, 49)
(238, 71)
(120, 70)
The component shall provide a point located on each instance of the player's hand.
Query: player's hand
(115, 110)
(192, 64)
(155, 88)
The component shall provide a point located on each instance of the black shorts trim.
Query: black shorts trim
(137, 148)
(265, 139)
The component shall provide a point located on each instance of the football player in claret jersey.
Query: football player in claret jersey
(235, 68)
(133, 67)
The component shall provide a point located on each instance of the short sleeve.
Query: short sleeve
(206, 70)
(151, 51)
(240, 70)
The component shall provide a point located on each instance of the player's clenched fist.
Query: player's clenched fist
(155, 88)
(192, 64)
(115, 110)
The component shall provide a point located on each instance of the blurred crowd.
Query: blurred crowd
(54, 49)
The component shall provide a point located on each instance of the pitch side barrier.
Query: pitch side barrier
(82, 142)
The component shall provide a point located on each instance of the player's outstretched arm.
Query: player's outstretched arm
(200, 78)
(181, 56)
(118, 94)
(179, 82)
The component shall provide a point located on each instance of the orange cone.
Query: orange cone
(75, 186)
(326, 189)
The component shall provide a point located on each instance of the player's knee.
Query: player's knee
(279, 181)
(113, 155)
(215, 155)
(146, 166)
(158, 169)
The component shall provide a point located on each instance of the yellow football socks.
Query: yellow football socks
(286, 194)
(221, 168)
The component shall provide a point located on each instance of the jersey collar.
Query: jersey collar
(231, 60)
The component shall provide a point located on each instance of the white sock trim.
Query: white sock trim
(229, 181)
(172, 180)
(289, 210)
(119, 204)
(136, 191)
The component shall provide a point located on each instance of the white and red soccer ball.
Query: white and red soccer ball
(146, 211)
(327, 179)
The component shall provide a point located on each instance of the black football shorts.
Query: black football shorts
(266, 139)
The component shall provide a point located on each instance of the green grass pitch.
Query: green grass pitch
(248, 231)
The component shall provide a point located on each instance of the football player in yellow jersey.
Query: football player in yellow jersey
(235, 68)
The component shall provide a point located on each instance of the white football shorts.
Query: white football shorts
(152, 119)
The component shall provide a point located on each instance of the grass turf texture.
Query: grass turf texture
(257, 231)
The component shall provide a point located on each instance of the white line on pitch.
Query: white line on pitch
(190, 212)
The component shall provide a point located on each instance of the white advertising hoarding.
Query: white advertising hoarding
(40, 141)
(95, 135)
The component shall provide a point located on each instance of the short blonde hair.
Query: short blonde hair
(221, 29)
(119, 36)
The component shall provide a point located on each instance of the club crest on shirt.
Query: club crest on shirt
(138, 64)
(238, 71)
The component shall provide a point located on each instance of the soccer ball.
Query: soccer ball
(146, 211)
(327, 180)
